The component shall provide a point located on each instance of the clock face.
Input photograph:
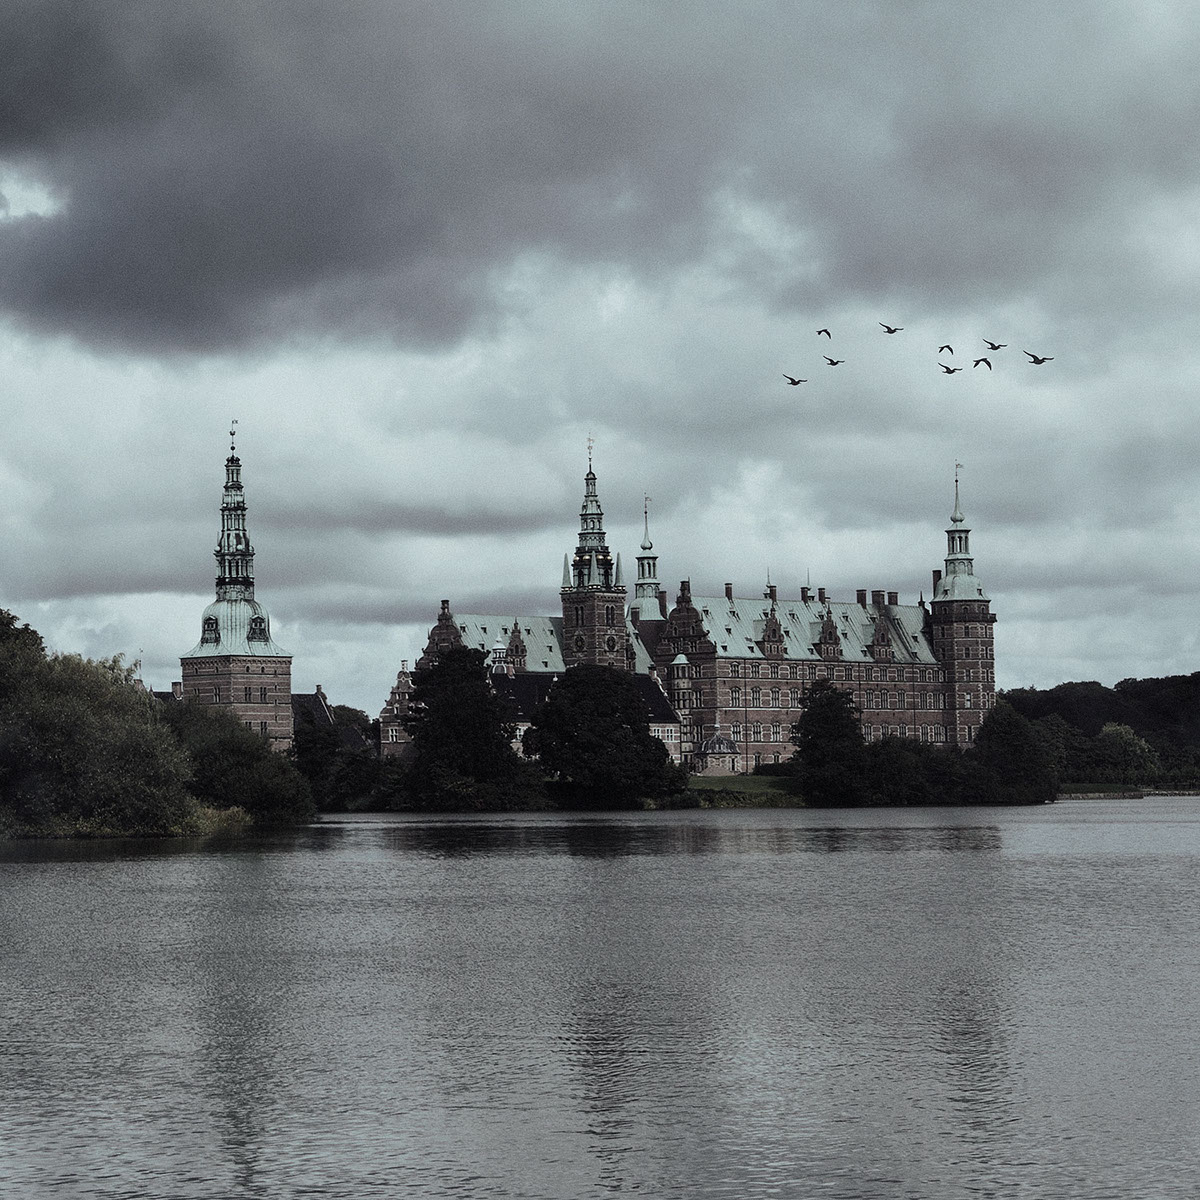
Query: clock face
(611, 643)
(579, 642)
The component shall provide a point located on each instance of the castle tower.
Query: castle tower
(647, 588)
(235, 664)
(961, 627)
(593, 594)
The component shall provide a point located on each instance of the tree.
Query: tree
(462, 741)
(1013, 766)
(1125, 757)
(83, 750)
(593, 733)
(340, 761)
(234, 767)
(830, 758)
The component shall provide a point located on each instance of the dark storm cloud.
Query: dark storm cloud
(232, 174)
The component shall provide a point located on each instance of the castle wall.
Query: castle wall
(258, 691)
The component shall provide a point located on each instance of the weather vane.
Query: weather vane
(591, 443)
(232, 432)
(957, 468)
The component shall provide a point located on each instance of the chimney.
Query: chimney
(861, 597)
(445, 608)
(877, 597)
(685, 591)
(177, 689)
(729, 592)
(662, 603)
(893, 598)
(937, 578)
(820, 595)
(805, 595)
(635, 614)
(772, 593)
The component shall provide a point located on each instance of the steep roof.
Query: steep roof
(736, 626)
(543, 638)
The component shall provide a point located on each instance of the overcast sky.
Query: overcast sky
(422, 251)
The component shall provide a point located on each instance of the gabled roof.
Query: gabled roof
(543, 638)
(736, 626)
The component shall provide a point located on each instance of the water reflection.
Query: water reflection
(601, 838)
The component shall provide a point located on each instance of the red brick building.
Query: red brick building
(735, 669)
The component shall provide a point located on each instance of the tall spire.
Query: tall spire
(234, 553)
(959, 581)
(592, 565)
(647, 587)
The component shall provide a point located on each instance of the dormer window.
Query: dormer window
(258, 630)
(210, 634)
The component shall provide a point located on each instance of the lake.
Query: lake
(900, 1003)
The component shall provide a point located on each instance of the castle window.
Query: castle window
(249, 693)
(735, 696)
(735, 670)
(757, 734)
(210, 632)
(736, 730)
(393, 733)
(608, 614)
(777, 735)
(216, 694)
(754, 670)
(794, 697)
(756, 697)
(257, 631)
(262, 695)
(793, 672)
(775, 698)
(774, 670)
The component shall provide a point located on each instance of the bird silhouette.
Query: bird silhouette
(994, 345)
(1034, 361)
(833, 362)
(794, 382)
(891, 328)
(985, 362)
(949, 370)
(826, 333)
(948, 349)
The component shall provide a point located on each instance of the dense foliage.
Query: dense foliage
(340, 761)
(1140, 733)
(234, 767)
(84, 752)
(462, 743)
(833, 766)
(592, 733)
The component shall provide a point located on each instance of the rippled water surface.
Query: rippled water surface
(923, 1003)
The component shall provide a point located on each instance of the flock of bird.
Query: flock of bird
(1035, 360)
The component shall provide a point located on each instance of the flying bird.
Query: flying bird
(985, 362)
(891, 328)
(794, 382)
(994, 345)
(826, 333)
(949, 370)
(948, 349)
(1034, 361)
(833, 362)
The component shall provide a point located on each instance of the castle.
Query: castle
(733, 670)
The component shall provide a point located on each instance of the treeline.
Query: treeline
(834, 767)
(84, 752)
(1140, 733)
(589, 745)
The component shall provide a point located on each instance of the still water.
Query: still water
(920, 1003)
